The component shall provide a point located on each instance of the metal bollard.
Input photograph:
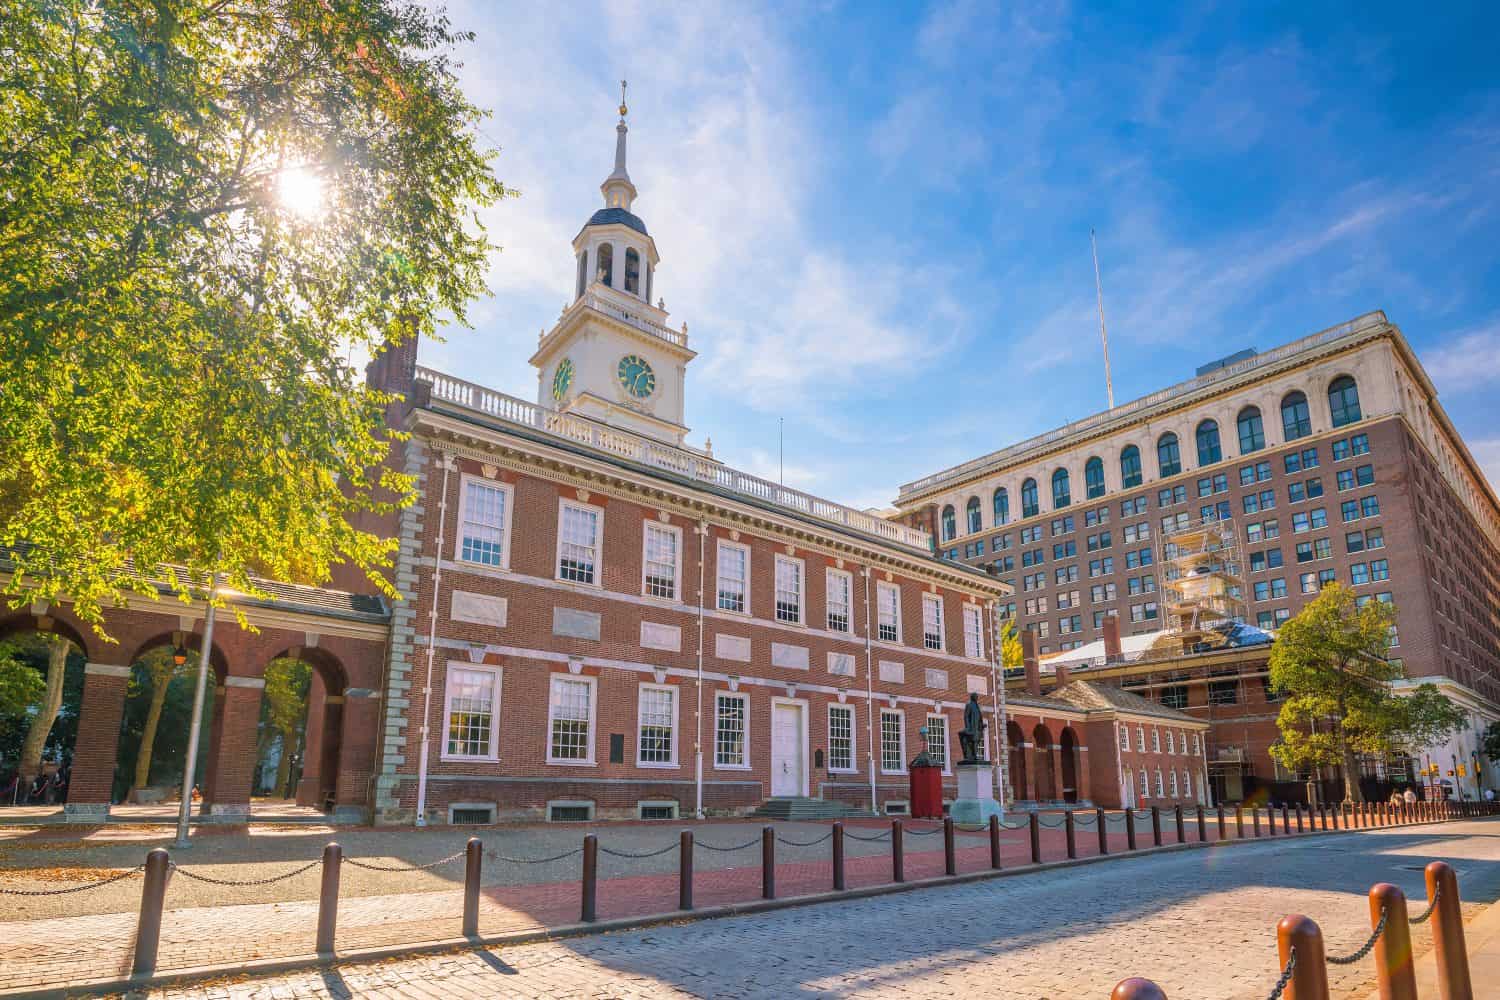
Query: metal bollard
(838, 856)
(1071, 835)
(1036, 841)
(1299, 817)
(1222, 833)
(898, 853)
(328, 898)
(1202, 827)
(148, 926)
(1322, 816)
(1156, 826)
(685, 870)
(768, 862)
(590, 885)
(1181, 830)
(950, 851)
(1255, 818)
(1310, 976)
(1239, 822)
(995, 842)
(473, 870)
(1286, 821)
(1270, 820)
(1136, 988)
(1448, 933)
(1129, 829)
(1394, 971)
(1103, 831)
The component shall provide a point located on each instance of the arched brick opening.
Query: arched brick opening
(1015, 739)
(1070, 768)
(323, 730)
(1046, 779)
(127, 750)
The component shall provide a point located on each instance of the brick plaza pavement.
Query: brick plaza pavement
(516, 897)
(1200, 923)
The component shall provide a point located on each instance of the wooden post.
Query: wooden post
(1299, 817)
(590, 883)
(1202, 827)
(950, 850)
(898, 853)
(473, 871)
(148, 924)
(1394, 971)
(1103, 831)
(1222, 833)
(768, 862)
(1129, 829)
(838, 856)
(1286, 821)
(1156, 826)
(685, 870)
(1239, 822)
(328, 898)
(1310, 976)
(1069, 831)
(1181, 830)
(1036, 841)
(995, 842)
(1255, 818)
(1448, 945)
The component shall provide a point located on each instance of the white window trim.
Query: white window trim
(853, 767)
(972, 613)
(1140, 739)
(1155, 739)
(676, 760)
(563, 504)
(464, 480)
(947, 750)
(1125, 738)
(848, 578)
(494, 755)
(934, 600)
(880, 588)
(744, 697)
(646, 528)
(718, 563)
(592, 759)
(1161, 788)
(880, 735)
(1145, 785)
(801, 565)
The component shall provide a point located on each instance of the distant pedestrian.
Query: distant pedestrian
(1409, 797)
(1489, 795)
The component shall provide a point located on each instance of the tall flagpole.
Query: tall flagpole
(1109, 384)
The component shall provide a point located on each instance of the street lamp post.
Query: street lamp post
(185, 808)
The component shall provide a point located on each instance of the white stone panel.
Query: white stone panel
(937, 678)
(978, 684)
(893, 671)
(841, 664)
(657, 636)
(479, 609)
(574, 624)
(788, 656)
(732, 647)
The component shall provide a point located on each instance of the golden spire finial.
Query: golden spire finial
(623, 108)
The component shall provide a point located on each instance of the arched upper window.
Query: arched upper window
(1168, 457)
(604, 269)
(1093, 477)
(1130, 467)
(1029, 505)
(976, 520)
(1002, 507)
(583, 273)
(1062, 493)
(1343, 401)
(1252, 431)
(950, 523)
(632, 271)
(1209, 451)
(1296, 422)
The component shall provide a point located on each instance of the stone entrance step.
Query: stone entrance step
(799, 808)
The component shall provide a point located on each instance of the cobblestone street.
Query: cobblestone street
(1200, 923)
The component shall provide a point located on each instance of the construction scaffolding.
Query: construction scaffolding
(1203, 584)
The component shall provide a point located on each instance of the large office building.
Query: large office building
(1327, 458)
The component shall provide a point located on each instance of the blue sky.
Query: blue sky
(875, 217)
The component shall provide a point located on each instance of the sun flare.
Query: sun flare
(301, 193)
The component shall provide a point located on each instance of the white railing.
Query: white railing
(658, 454)
(626, 309)
(1126, 410)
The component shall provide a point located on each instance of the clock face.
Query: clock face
(563, 379)
(636, 376)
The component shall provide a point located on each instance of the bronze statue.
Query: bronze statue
(971, 737)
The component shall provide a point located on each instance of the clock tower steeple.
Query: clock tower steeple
(611, 357)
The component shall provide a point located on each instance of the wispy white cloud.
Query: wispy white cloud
(1467, 359)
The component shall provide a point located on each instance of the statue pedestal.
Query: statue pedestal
(976, 793)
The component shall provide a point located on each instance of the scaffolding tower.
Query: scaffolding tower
(1203, 584)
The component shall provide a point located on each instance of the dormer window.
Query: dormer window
(632, 271)
(604, 270)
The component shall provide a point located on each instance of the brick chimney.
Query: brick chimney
(1028, 659)
(1111, 639)
(1062, 675)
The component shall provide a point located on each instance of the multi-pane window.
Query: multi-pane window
(1223, 692)
(731, 715)
(892, 741)
(482, 527)
(840, 738)
(1130, 467)
(1168, 456)
(1369, 506)
(937, 740)
(1175, 696)
(570, 718)
(1174, 784)
(788, 590)
(473, 695)
(1161, 790)
(973, 633)
(578, 544)
(661, 561)
(1124, 738)
(1156, 741)
(658, 715)
(1171, 742)
(1296, 420)
(1145, 785)
(840, 586)
(1343, 401)
(1173, 495)
(888, 612)
(734, 577)
(1067, 574)
(932, 621)
(1140, 738)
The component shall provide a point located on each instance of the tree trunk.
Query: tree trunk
(284, 765)
(1351, 774)
(148, 734)
(41, 725)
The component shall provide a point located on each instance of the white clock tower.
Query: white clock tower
(611, 356)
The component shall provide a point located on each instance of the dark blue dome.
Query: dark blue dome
(610, 216)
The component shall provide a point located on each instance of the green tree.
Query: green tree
(283, 711)
(211, 209)
(1011, 654)
(1491, 745)
(1330, 663)
(158, 668)
(20, 685)
(40, 726)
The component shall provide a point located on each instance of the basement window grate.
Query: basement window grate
(569, 814)
(658, 810)
(473, 816)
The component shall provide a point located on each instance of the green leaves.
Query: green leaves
(176, 384)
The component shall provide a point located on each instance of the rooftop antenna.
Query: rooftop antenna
(1109, 384)
(781, 449)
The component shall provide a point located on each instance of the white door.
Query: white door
(786, 750)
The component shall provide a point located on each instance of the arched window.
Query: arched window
(1002, 507)
(950, 523)
(1208, 443)
(976, 520)
(1343, 401)
(604, 269)
(1093, 477)
(1030, 507)
(583, 273)
(1252, 432)
(1130, 467)
(1168, 457)
(632, 271)
(1296, 422)
(1062, 494)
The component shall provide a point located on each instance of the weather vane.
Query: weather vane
(623, 108)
